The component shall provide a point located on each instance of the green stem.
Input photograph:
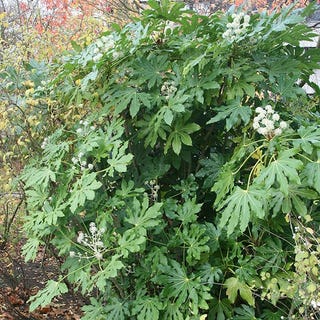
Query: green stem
(252, 171)
(249, 156)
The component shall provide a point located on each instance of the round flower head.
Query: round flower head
(267, 122)
(283, 125)
(275, 117)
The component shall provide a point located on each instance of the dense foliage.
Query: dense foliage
(183, 176)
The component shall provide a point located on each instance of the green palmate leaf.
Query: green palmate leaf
(287, 87)
(45, 296)
(138, 100)
(153, 127)
(241, 206)
(224, 184)
(147, 308)
(234, 287)
(220, 309)
(40, 176)
(182, 287)
(214, 234)
(281, 171)
(211, 168)
(270, 255)
(116, 309)
(180, 135)
(245, 313)
(198, 84)
(53, 213)
(173, 312)
(233, 114)
(150, 70)
(84, 189)
(36, 196)
(210, 274)
(187, 213)
(295, 200)
(309, 139)
(195, 241)
(109, 269)
(132, 241)
(143, 217)
(120, 98)
(156, 257)
(30, 249)
(119, 159)
(311, 173)
(95, 310)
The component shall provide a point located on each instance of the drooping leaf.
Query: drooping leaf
(244, 313)
(30, 249)
(45, 296)
(173, 312)
(224, 184)
(295, 200)
(180, 135)
(220, 309)
(312, 174)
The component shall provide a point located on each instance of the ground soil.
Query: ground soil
(20, 280)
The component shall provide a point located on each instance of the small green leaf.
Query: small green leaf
(83, 189)
(235, 286)
(168, 117)
(176, 144)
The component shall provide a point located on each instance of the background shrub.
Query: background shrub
(184, 181)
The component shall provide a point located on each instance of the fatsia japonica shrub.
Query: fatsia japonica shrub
(189, 187)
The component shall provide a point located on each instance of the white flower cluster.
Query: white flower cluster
(315, 304)
(84, 128)
(237, 27)
(103, 45)
(91, 241)
(152, 184)
(268, 123)
(44, 143)
(168, 89)
(81, 162)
